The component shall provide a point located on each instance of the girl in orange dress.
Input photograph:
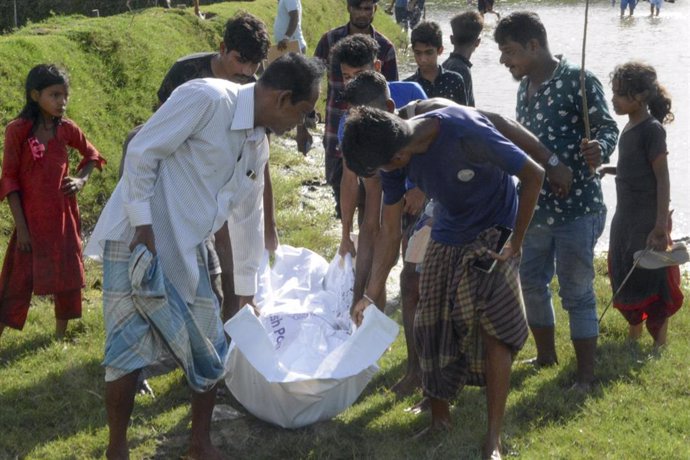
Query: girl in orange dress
(44, 254)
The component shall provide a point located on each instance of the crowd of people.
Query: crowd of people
(182, 235)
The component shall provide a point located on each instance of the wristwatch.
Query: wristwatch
(553, 160)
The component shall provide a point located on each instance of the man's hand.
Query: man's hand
(507, 253)
(560, 179)
(304, 139)
(357, 311)
(414, 201)
(346, 245)
(248, 300)
(144, 235)
(591, 152)
(271, 241)
(72, 185)
(282, 45)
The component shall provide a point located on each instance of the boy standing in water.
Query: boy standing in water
(466, 28)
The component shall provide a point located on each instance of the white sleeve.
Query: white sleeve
(188, 110)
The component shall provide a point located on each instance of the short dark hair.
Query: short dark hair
(521, 27)
(428, 33)
(466, 27)
(371, 139)
(367, 88)
(356, 50)
(356, 3)
(293, 72)
(247, 34)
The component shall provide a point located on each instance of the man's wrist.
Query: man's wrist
(552, 161)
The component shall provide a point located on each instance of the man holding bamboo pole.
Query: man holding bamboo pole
(566, 225)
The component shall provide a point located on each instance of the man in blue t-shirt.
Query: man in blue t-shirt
(468, 322)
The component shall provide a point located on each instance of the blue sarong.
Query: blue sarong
(150, 327)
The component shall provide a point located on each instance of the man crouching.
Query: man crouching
(469, 323)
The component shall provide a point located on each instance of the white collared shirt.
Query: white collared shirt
(197, 162)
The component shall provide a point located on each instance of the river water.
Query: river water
(661, 42)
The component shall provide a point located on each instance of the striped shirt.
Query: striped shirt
(196, 163)
(335, 107)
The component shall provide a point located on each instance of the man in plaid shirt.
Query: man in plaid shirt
(361, 16)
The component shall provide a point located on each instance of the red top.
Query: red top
(52, 217)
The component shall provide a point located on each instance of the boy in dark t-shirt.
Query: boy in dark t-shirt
(427, 45)
(465, 39)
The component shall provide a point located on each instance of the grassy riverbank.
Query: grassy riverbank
(117, 63)
(51, 393)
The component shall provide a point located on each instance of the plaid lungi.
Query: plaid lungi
(456, 303)
(150, 327)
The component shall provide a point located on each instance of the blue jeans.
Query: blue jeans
(568, 251)
(628, 3)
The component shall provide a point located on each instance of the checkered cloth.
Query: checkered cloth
(458, 301)
(150, 327)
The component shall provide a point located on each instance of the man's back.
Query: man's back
(458, 63)
(193, 66)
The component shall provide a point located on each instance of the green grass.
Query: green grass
(51, 392)
(51, 397)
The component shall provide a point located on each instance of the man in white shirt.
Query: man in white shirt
(288, 24)
(196, 164)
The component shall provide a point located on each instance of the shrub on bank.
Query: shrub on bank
(25, 11)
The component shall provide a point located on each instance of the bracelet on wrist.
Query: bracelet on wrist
(368, 298)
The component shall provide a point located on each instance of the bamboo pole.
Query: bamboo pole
(583, 88)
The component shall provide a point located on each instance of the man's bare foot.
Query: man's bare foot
(582, 388)
(491, 452)
(117, 453)
(422, 406)
(433, 429)
(406, 385)
(205, 452)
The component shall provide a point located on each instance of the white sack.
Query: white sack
(302, 360)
